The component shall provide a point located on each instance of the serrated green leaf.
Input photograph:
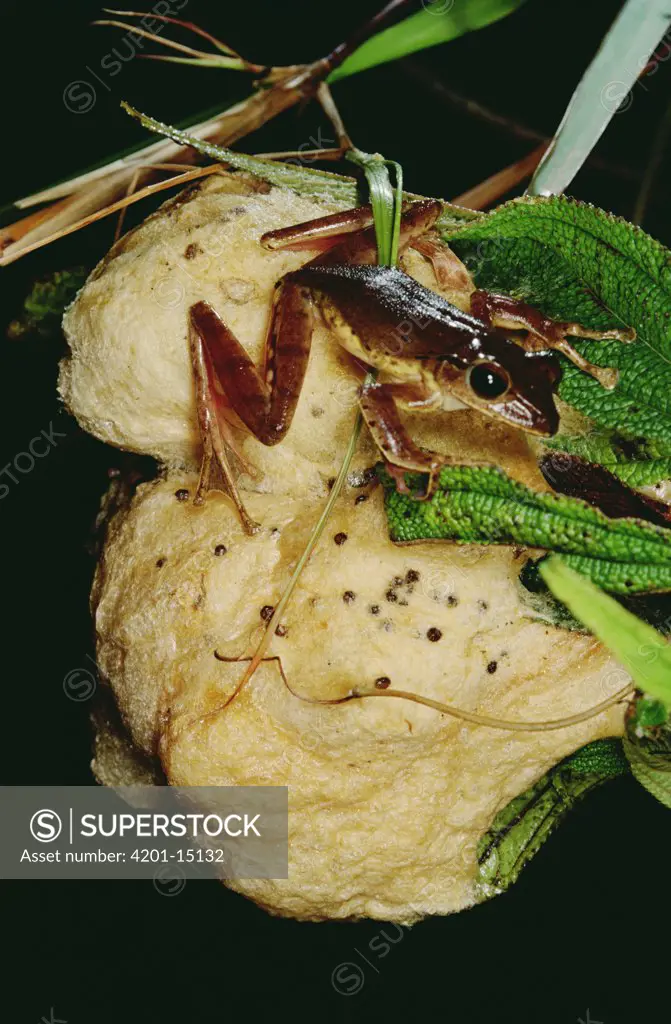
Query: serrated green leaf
(649, 757)
(520, 829)
(438, 22)
(481, 505)
(655, 609)
(641, 402)
(579, 263)
(636, 462)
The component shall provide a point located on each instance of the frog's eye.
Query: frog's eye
(488, 381)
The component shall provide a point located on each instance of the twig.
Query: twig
(190, 26)
(9, 255)
(330, 109)
(132, 185)
(491, 189)
(507, 124)
(652, 167)
(89, 192)
(390, 12)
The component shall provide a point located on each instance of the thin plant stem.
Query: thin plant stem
(500, 723)
(472, 108)
(128, 200)
(330, 109)
(132, 185)
(190, 26)
(491, 189)
(275, 618)
(652, 167)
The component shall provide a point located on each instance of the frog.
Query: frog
(435, 351)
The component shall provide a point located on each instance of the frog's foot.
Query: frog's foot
(451, 274)
(215, 434)
(397, 473)
(432, 472)
(401, 454)
(503, 311)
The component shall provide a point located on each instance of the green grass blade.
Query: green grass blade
(306, 180)
(643, 651)
(607, 82)
(437, 22)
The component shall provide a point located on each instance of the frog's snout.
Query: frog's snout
(536, 403)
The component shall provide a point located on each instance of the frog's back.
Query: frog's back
(389, 313)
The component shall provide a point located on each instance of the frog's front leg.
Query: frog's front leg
(505, 312)
(380, 412)
(502, 311)
(226, 377)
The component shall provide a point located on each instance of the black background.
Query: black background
(580, 929)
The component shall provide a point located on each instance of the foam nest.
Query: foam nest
(387, 799)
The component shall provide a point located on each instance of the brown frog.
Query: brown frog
(437, 354)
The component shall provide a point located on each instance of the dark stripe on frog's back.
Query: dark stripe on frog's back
(375, 301)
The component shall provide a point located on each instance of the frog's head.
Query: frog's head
(508, 383)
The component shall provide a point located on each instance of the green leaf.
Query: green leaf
(385, 201)
(649, 757)
(439, 21)
(306, 180)
(577, 262)
(648, 714)
(481, 505)
(604, 86)
(643, 651)
(44, 306)
(520, 829)
(655, 609)
(636, 462)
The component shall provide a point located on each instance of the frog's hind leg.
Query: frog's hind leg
(321, 233)
(380, 412)
(226, 377)
(349, 236)
(505, 312)
(214, 433)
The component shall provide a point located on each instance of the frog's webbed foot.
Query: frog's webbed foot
(227, 379)
(215, 433)
(451, 274)
(503, 311)
(401, 454)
